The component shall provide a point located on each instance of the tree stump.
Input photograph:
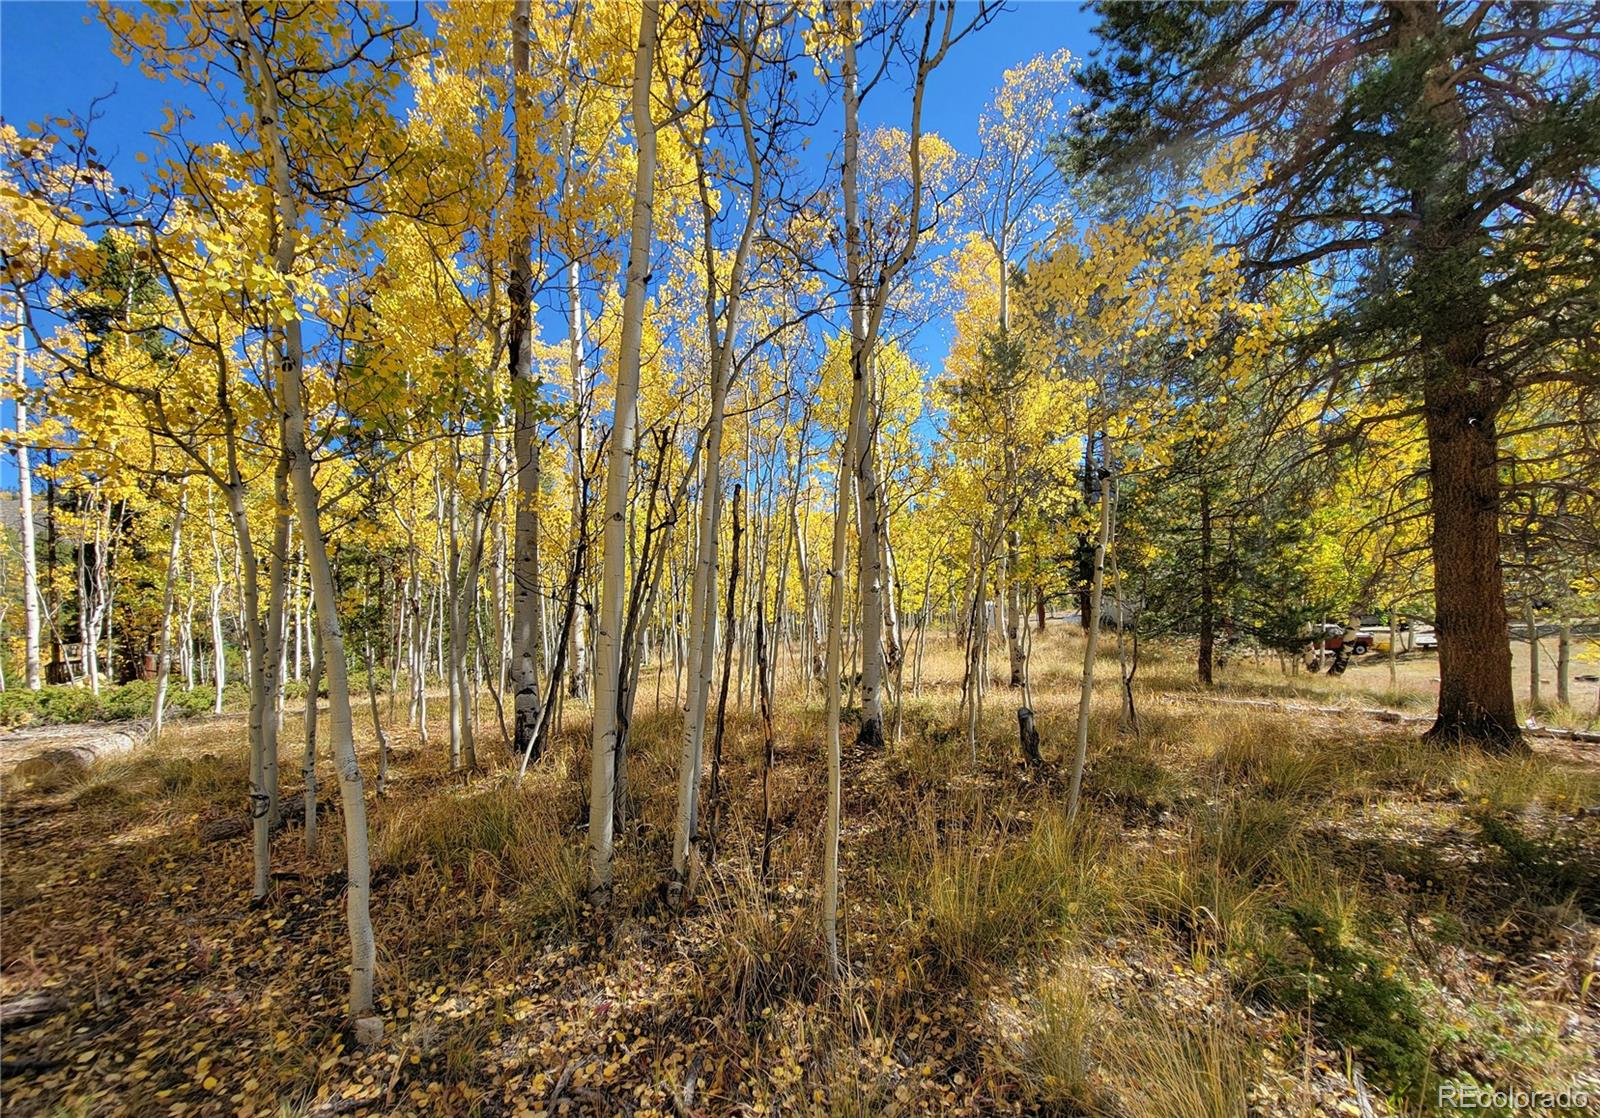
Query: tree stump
(1029, 735)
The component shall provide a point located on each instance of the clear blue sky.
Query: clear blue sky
(56, 58)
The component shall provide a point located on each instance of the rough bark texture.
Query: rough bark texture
(1475, 697)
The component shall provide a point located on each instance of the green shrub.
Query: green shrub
(68, 704)
(130, 701)
(1551, 870)
(1358, 999)
(19, 707)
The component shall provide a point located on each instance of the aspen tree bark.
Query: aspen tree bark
(261, 81)
(186, 637)
(1092, 640)
(30, 556)
(260, 715)
(169, 593)
(620, 465)
(577, 643)
(272, 634)
(455, 667)
(864, 476)
(219, 652)
(526, 597)
(830, 674)
(308, 768)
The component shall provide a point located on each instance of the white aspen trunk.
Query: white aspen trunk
(869, 576)
(261, 714)
(30, 556)
(465, 573)
(307, 504)
(619, 474)
(424, 643)
(527, 601)
(89, 625)
(168, 595)
(271, 672)
(1092, 640)
(455, 667)
(297, 614)
(402, 619)
(219, 651)
(702, 649)
(841, 503)
(100, 614)
(308, 768)
(866, 321)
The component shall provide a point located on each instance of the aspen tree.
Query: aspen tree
(32, 677)
(619, 472)
(261, 83)
(164, 641)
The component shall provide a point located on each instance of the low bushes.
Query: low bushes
(69, 703)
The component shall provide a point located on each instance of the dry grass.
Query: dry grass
(1128, 945)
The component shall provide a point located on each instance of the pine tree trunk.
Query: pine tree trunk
(1475, 697)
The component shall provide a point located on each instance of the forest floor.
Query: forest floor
(1257, 911)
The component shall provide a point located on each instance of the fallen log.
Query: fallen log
(56, 753)
(27, 1009)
